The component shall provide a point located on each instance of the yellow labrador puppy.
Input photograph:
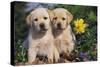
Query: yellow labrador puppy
(40, 39)
(64, 38)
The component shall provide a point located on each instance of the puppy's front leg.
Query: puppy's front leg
(50, 58)
(50, 54)
(56, 54)
(70, 47)
(67, 55)
(32, 52)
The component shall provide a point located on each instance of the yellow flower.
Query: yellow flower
(79, 26)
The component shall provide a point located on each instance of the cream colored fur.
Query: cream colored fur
(64, 37)
(41, 43)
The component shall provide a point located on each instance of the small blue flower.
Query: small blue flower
(84, 56)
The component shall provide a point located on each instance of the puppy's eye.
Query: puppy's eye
(45, 18)
(63, 18)
(55, 18)
(35, 19)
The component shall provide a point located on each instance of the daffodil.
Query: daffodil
(80, 26)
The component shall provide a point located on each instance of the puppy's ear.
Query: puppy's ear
(28, 19)
(51, 14)
(69, 16)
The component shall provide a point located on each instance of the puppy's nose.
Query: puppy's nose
(42, 26)
(59, 25)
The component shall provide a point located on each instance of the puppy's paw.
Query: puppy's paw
(50, 61)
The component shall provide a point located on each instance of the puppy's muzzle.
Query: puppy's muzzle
(42, 27)
(59, 27)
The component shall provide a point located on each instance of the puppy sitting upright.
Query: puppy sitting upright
(40, 36)
(62, 31)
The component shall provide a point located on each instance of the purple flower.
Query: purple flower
(84, 56)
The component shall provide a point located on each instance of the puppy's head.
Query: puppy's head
(61, 19)
(39, 20)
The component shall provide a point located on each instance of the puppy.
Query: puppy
(64, 38)
(40, 39)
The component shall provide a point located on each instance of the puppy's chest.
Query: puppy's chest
(62, 42)
(41, 43)
(64, 37)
